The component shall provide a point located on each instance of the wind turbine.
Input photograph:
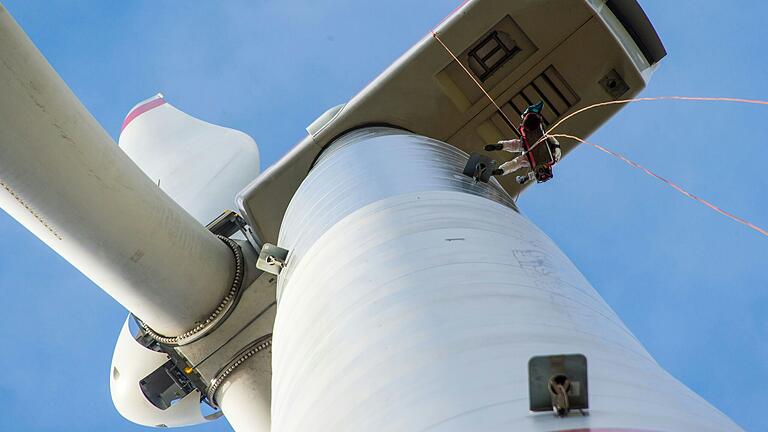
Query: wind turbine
(401, 295)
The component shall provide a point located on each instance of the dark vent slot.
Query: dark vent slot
(551, 88)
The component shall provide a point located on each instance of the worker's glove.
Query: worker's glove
(558, 154)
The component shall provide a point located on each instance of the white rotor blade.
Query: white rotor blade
(64, 179)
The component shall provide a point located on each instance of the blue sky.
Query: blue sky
(688, 282)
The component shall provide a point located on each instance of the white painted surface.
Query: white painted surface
(420, 308)
(244, 397)
(363, 167)
(200, 165)
(64, 179)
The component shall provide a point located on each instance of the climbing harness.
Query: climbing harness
(540, 158)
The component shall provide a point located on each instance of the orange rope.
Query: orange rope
(671, 184)
(480, 86)
(658, 98)
(617, 155)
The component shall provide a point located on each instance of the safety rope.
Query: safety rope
(609, 152)
(669, 183)
(657, 98)
(480, 86)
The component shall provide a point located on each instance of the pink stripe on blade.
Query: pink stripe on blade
(141, 109)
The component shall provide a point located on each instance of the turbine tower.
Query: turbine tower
(362, 283)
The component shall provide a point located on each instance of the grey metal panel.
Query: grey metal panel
(417, 93)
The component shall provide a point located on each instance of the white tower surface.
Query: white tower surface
(415, 298)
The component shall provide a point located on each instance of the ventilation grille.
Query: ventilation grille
(549, 87)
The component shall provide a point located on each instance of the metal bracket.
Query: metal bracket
(272, 259)
(228, 223)
(558, 383)
(480, 167)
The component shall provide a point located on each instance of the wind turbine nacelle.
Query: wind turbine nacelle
(148, 389)
(200, 165)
